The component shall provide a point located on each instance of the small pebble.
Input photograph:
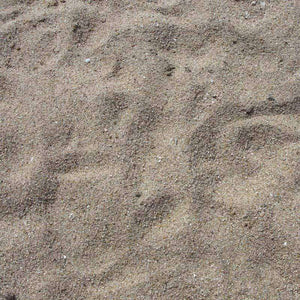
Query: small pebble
(285, 243)
(253, 3)
(88, 60)
(262, 4)
(270, 98)
(52, 3)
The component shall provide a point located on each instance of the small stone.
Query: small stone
(270, 98)
(169, 70)
(285, 244)
(52, 3)
(262, 4)
(138, 194)
(253, 3)
(88, 60)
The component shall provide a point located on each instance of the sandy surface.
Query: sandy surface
(149, 149)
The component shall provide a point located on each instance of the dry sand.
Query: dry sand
(149, 149)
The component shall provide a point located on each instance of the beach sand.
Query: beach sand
(149, 149)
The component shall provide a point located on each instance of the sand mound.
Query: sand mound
(149, 149)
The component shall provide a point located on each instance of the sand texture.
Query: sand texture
(149, 149)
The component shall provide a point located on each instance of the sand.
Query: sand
(149, 149)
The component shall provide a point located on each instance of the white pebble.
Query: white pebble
(262, 4)
(285, 243)
(88, 60)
